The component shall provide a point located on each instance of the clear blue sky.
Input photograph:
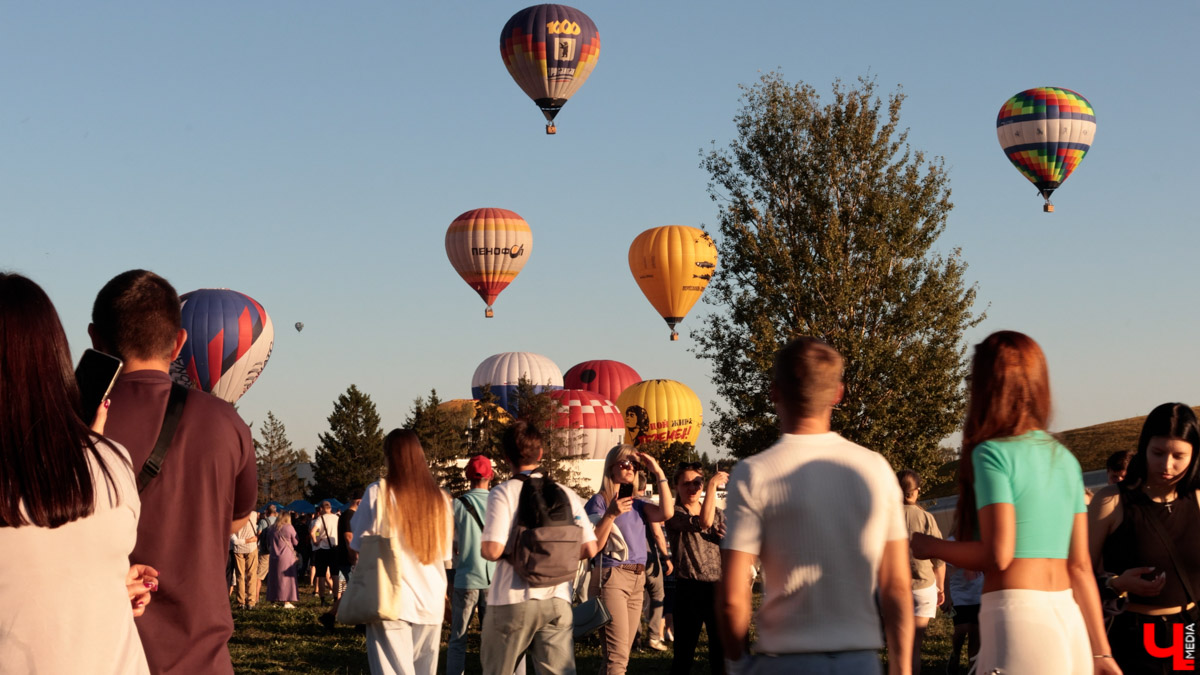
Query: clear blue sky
(312, 154)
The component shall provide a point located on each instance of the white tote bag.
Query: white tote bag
(373, 593)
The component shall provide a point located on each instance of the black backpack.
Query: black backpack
(545, 541)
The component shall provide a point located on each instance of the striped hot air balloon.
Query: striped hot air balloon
(550, 50)
(673, 265)
(503, 372)
(488, 248)
(594, 424)
(229, 339)
(661, 410)
(1045, 132)
(603, 377)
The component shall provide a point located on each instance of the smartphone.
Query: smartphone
(626, 490)
(96, 374)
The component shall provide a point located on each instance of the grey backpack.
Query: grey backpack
(544, 544)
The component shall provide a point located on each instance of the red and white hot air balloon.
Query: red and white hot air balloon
(603, 377)
(594, 424)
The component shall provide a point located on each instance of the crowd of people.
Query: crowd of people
(1039, 579)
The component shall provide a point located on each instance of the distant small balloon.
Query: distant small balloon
(299, 326)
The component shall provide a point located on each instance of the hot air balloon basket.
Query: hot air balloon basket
(551, 130)
(1048, 208)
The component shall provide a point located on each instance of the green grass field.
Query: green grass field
(274, 640)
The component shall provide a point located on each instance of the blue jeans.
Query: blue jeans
(463, 602)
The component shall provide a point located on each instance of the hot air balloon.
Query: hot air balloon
(550, 50)
(505, 371)
(229, 339)
(594, 424)
(606, 378)
(661, 410)
(488, 248)
(468, 408)
(673, 265)
(299, 326)
(1045, 132)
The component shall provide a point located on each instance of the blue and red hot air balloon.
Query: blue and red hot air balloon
(229, 339)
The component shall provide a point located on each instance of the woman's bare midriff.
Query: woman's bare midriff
(1034, 574)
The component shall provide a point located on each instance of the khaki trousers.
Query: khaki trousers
(247, 576)
(621, 594)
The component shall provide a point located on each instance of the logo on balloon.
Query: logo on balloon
(514, 252)
(563, 28)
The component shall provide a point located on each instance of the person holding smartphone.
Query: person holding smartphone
(619, 517)
(68, 505)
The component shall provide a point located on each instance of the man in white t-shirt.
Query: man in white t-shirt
(519, 617)
(323, 532)
(825, 518)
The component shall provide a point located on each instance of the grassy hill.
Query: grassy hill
(1090, 445)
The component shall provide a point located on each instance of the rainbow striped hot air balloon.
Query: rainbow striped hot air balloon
(488, 248)
(1045, 132)
(229, 339)
(550, 50)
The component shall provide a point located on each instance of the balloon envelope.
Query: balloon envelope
(1045, 132)
(299, 326)
(661, 410)
(603, 377)
(504, 372)
(229, 339)
(550, 50)
(673, 265)
(467, 407)
(594, 425)
(488, 247)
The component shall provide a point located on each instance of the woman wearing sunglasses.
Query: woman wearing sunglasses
(621, 535)
(696, 530)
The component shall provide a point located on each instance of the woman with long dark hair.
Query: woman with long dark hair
(1145, 537)
(68, 509)
(421, 521)
(1022, 522)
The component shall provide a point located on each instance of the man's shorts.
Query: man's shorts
(343, 571)
(323, 560)
(965, 615)
(925, 602)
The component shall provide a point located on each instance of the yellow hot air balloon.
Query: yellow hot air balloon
(673, 265)
(660, 410)
(488, 248)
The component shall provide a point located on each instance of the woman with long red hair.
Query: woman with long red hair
(1023, 523)
(420, 519)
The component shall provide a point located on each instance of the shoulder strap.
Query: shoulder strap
(1170, 546)
(470, 509)
(166, 434)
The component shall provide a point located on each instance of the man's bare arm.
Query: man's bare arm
(734, 602)
(895, 599)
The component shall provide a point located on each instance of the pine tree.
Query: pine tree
(827, 224)
(277, 462)
(350, 455)
(444, 438)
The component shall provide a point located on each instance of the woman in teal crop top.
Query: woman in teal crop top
(1022, 522)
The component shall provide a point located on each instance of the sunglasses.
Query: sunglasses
(628, 465)
(695, 482)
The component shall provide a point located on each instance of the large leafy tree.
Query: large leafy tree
(277, 462)
(828, 221)
(350, 455)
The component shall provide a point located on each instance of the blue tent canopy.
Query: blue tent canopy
(300, 506)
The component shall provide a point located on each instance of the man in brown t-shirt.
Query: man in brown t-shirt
(208, 473)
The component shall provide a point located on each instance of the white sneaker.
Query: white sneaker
(657, 645)
(288, 605)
